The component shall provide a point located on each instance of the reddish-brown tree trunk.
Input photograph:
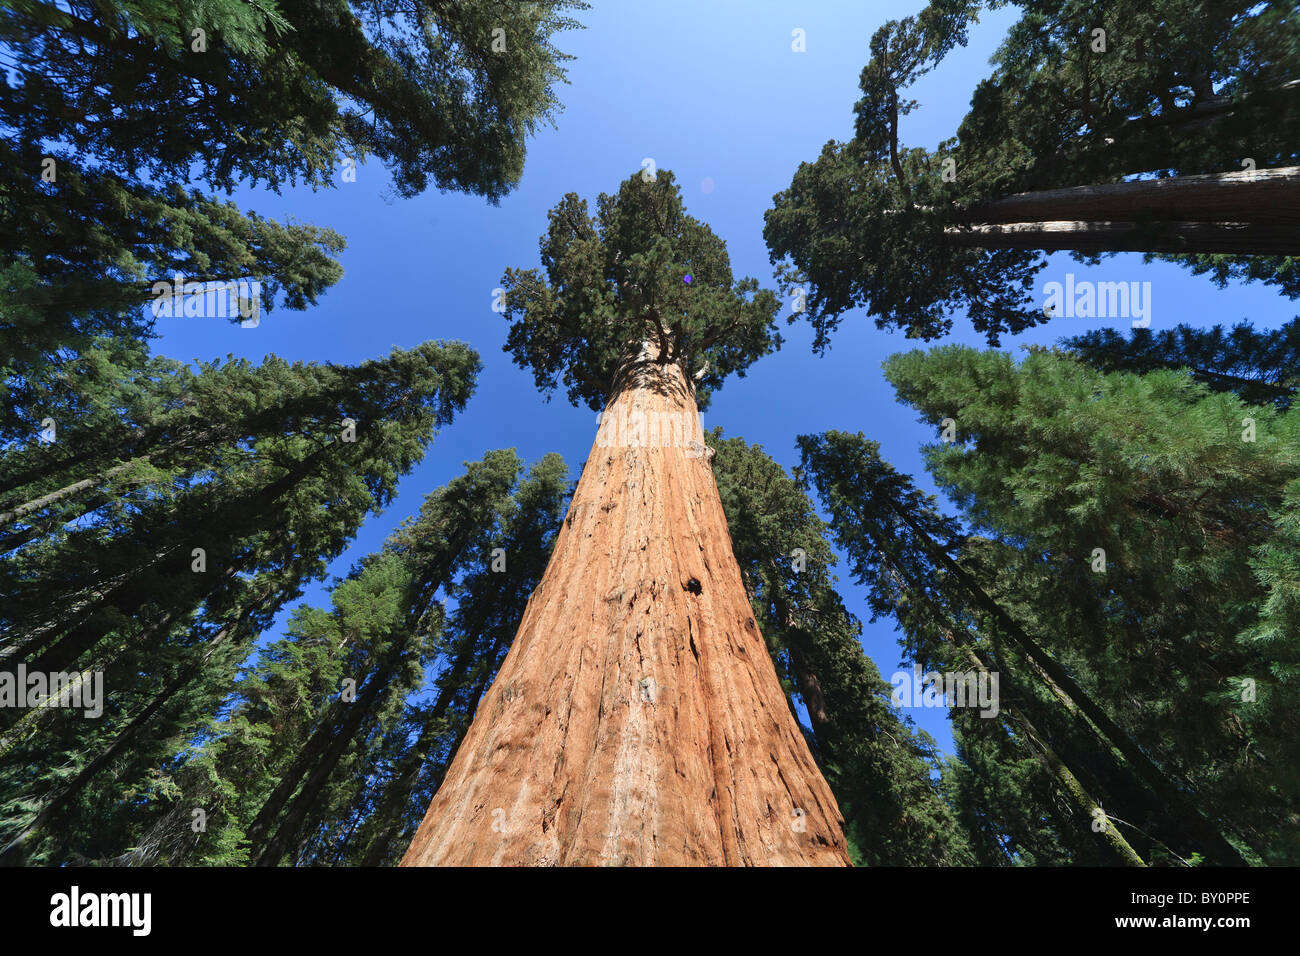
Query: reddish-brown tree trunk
(637, 719)
(1253, 212)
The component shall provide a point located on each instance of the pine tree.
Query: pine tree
(95, 254)
(227, 770)
(108, 108)
(899, 545)
(425, 87)
(1136, 507)
(387, 635)
(214, 548)
(1257, 367)
(248, 505)
(119, 425)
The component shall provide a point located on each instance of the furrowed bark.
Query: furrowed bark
(637, 718)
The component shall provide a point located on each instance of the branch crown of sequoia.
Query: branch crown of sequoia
(640, 284)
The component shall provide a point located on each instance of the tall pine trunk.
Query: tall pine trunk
(398, 792)
(54, 810)
(1215, 846)
(77, 487)
(637, 718)
(289, 832)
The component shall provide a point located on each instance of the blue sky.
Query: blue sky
(713, 91)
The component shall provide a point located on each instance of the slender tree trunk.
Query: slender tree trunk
(20, 512)
(40, 527)
(35, 720)
(83, 628)
(337, 742)
(259, 832)
(637, 718)
(53, 811)
(140, 444)
(46, 469)
(1215, 846)
(789, 697)
(810, 688)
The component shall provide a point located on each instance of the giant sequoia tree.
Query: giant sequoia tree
(637, 717)
(1104, 128)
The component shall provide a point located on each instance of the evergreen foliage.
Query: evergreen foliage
(243, 483)
(1179, 89)
(641, 270)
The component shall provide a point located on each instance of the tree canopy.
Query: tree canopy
(109, 111)
(1080, 96)
(641, 270)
